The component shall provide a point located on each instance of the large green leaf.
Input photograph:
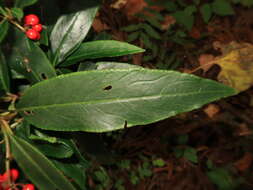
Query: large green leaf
(105, 100)
(69, 32)
(4, 26)
(101, 48)
(24, 3)
(37, 167)
(4, 74)
(26, 58)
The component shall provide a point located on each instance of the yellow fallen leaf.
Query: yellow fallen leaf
(236, 65)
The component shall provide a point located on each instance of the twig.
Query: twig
(5, 128)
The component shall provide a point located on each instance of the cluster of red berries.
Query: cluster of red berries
(34, 28)
(14, 174)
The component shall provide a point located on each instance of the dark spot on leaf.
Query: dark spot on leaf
(108, 87)
(28, 112)
(43, 76)
(125, 125)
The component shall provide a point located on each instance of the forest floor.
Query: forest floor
(208, 148)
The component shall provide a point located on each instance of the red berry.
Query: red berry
(14, 175)
(38, 36)
(32, 34)
(2, 179)
(31, 20)
(28, 187)
(37, 27)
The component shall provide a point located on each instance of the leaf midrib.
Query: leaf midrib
(112, 100)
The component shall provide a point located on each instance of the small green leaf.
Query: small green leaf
(17, 13)
(153, 21)
(151, 32)
(4, 74)
(69, 32)
(4, 26)
(222, 7)
(206, 12)
(132, 28)
(116, 98)
(191, 154)
(158, 162)
(37, 167)
(189, 10)
(146, 41)
(184, 19)
(101, 48)
(133, 36)
(24, 3)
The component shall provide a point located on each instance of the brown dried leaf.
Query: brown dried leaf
(99, 26)
(168, 21)
(134, 6)
(245, 162)
(211, 110)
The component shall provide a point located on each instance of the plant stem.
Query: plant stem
(17, 25)
(6, 130)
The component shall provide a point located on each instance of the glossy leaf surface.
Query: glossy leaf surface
(106, 65)
(70, 30)
(37, 167)
(105, 100)
(102, 48)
